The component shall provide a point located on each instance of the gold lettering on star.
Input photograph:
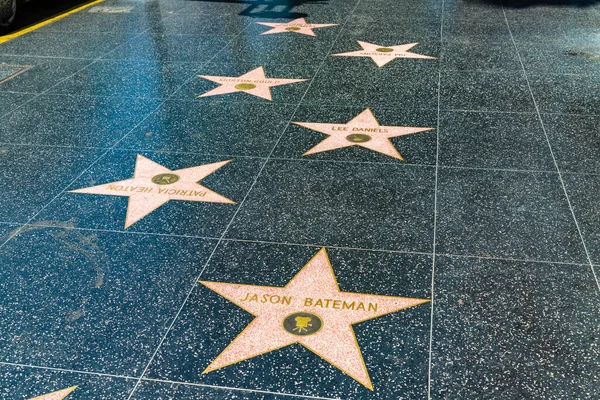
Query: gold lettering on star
(297, 26)
(310, 310)
(340, 304)
(364, 131)
(254, 83)
(267, 298)
(382, 55)
(59, 395)
(153, 185)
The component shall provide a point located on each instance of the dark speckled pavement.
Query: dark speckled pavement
(171, 171)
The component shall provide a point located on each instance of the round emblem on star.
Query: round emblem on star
(165, 179)
(358, 138)
(245, 86)
(302, 324)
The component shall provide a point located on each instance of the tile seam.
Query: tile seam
(314, 105)
(303, 160)
(315, 245)
(435, 201)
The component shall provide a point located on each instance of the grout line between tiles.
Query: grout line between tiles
(315, 245)
(125, 377)
(134, 36)
(404, 252)
(303, 160)
(320, 246)
(514, 72)
(50, 57)
(250, 101)
(434, 244)
(560, 177)
(194, 285)
(74, 371)
(509, 259)
(51, 146)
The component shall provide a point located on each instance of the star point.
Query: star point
(363, 131)
(382, 55)
(254, 83)
(309, 310)
(58, 395)
(298, 25)
(154, 185)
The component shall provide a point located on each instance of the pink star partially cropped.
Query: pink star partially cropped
(382, 54)
(364, 131)
(297, 26)
(60, 395)
(153, 185)
(310, 310)
(254, 82)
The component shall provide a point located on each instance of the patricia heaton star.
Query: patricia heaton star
(297, 26)
(364, 131)
(254, 83)
(382, 54)
(60, 395)
(153, 185)
(310, 310)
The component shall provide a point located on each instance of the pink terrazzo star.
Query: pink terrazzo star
(382, 54)
(254, 82)
(310, 310)
(60, 395)
(364, 131)
(297, 26)
(153, 185)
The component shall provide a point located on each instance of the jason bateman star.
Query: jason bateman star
(310, 310)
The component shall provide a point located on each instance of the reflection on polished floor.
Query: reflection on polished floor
(303, 199)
